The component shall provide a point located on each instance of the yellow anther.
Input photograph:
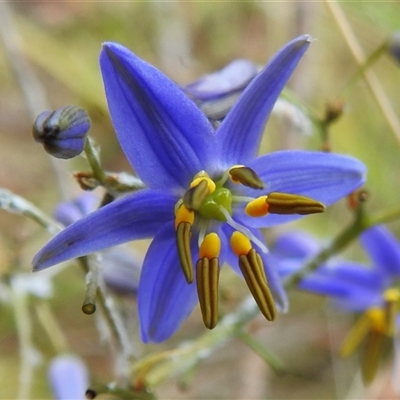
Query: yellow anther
(207, 277)
(183, 214)
(240, 243)
(356, 335)
(246, 176)
(378, 319)
(287, 203)
(257, 207)
(210, 247)
(210, 183)
(252, 268)
(391, 295)
(374, 349)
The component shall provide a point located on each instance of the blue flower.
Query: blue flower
(373, 291)
(207, 191)
(68, 377)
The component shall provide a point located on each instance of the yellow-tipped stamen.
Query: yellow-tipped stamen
(257, 207)
(210, 183)
(207, 278)
(183, 214)
(357, 333)
(184, 251)
(210, 246)
(252, 268)
(195, 196)
(286, 203)
(373, 351)
(253, 272)
(246, 176)
(240, 243)
(378, 319)
(184, 219)
(392, 297)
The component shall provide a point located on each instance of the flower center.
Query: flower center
(206, 201)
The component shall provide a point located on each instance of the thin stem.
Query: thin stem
(28, 354)
(94, 162)
(17, 204)
(51, 326)
(371, 79)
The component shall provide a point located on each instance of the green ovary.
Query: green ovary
(211, 208)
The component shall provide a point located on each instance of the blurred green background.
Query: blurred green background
(60, 41)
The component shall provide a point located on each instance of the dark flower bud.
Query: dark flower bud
(393, 46)
(63, 131)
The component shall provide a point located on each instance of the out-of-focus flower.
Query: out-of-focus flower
(292, 118)
(207, 191)
(393, 46)
(68, 212)
(373, 291)
(217, 92)
(63, 131)
(120, 267)
(68, 377)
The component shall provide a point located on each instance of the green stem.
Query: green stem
(271, 359)
(94, 162)
(368, 63)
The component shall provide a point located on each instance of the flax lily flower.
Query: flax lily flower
(207, 191)
(372, 291)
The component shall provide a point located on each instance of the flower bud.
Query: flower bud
(393, 46)
(63, 131)
(68, 377)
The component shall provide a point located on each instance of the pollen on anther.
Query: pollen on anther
(257, 207)
(240, 243)
(210, 247)
(183, 214)
(210, 183)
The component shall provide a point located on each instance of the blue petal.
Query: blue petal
(136, 216)
(240, 133)
(384, 250)
(295, 244)
(165, 137)
(165, 299)
(68, 377)
(324, 177)
(351, 285)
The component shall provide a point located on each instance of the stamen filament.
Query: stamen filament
(184, 252)
(207, 279)
(244, 230)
